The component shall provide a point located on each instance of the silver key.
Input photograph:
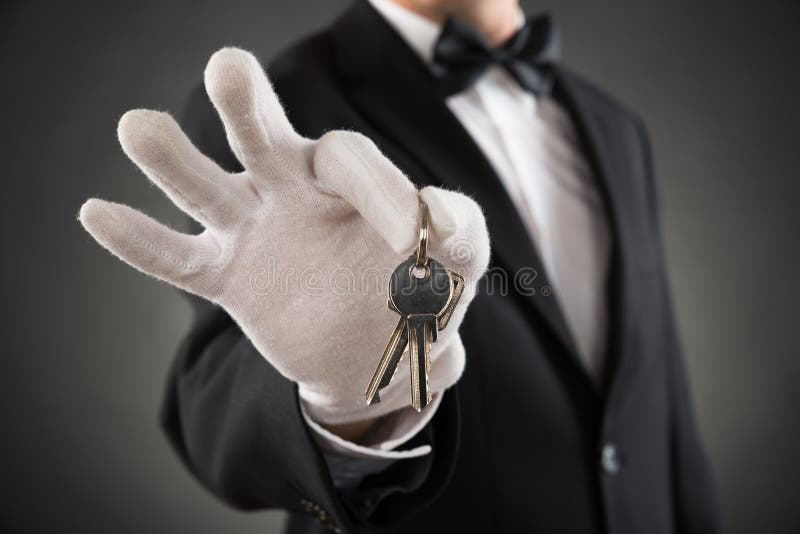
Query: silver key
(420, 295)
(398, 342)
(425, 295)
(387, 365)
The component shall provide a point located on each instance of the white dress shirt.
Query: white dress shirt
(532, 145)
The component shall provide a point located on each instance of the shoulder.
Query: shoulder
(602, 102)
(305, 77)
(617, 118)
(311, 57)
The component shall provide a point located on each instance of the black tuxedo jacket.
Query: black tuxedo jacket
(524, 442)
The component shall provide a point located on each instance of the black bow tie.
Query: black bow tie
(461, 55)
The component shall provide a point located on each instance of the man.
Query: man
(572, 413)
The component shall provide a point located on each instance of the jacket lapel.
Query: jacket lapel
(608, 145)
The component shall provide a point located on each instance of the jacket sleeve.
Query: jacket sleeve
(694, 497)
(237, 424)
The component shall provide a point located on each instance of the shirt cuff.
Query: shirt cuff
(394, 430)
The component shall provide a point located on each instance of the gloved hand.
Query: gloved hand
(298, 248)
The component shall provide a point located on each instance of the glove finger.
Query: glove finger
(350, 165)
(259, 133)
(459, 236)
(149, 246)
(158, 146)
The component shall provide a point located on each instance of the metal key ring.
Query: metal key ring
(422, 246)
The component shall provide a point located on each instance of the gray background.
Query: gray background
(86, 340)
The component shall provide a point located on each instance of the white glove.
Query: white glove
(298, 248)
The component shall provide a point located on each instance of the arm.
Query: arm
(235, 393)
(696, 510)
(224, 407)
(229, 416)
(696, 507)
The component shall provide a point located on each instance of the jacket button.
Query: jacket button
(609, 459)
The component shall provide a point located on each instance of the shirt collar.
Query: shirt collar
(417, 31)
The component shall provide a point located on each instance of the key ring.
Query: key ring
(422, 246)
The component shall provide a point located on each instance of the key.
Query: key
(398, 342)
(387, 365)
(458, 289)
(424, 293)
(420, 295)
